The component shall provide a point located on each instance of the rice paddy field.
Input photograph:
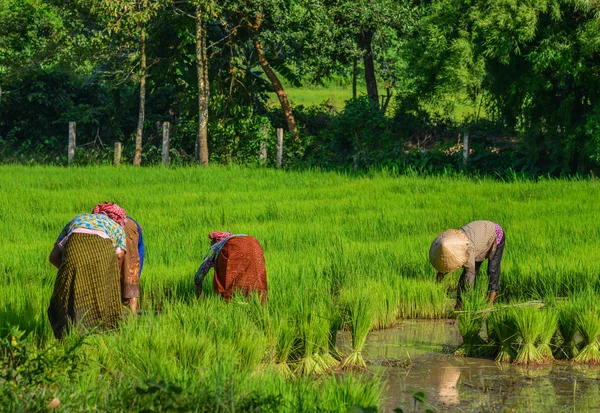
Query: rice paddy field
(343, 253)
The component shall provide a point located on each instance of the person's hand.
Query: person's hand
(55, 257)
(133, 305)
(492, 297)
(440, 277)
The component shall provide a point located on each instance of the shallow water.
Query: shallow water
(460, 384)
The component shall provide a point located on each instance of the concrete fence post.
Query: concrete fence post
(165, 144)
(279, 147)
(117, 156)
(72, 138)
(465, 148)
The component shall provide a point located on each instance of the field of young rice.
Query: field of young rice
(342, 252)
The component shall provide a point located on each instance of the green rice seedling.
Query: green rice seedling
(503, 333)
(360, 315)
(284, 346)
(312, 340)
(567, 327)
(321, 233)
(529, 324)
(354, 391)
(588, 324)
(470, 322)
(548, 330)
(335, 324)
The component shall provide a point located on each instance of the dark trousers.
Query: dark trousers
(493, 272)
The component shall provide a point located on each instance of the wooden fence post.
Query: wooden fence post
(279, 146)
(117, 157)
(165, 144)
(71, 151)
(465, 148)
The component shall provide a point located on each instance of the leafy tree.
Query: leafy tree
(128, 21)
(258, 17)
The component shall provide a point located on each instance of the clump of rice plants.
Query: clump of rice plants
(470, 321)
(588, 324)
(548, 329)
(359, 311)
(567, 327)
(312, 338)
(284, 347)
(335, 324)
(529, 324)
(503, 333)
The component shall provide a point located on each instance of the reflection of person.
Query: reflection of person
(468, 248)
(448, 390)
(87, 254)
(239, 265)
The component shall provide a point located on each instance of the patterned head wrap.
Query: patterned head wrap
(219, 236)
(113, 211)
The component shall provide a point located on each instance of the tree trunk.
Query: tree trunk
(354, 76)
(281, 95)
(137, 159)
(365, 39)
(203, 89)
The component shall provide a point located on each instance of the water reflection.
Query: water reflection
(457, 384)
(447, 385)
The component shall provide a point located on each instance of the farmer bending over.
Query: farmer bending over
(468, 247)
(239, 265)
(88, 253)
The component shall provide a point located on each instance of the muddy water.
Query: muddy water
(416, 357)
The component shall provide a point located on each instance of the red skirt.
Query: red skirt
(240, 267)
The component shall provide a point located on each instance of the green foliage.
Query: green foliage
(29, 375)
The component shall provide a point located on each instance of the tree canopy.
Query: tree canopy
(220, 72)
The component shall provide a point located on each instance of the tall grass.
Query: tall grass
(322, 233)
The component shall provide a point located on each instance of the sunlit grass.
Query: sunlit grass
(324, 235)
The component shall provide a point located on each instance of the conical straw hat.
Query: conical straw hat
(448, 251)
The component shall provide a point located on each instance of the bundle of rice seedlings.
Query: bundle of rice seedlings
(324, 356)
(548, 329)
(310, 332)
(567, 327)
(588, 324)
(360, 314)
(529, 324)
(335, 324)
(470, 322)
(284, 347)
(503, 333)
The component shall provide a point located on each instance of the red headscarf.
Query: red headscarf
(113, 211)
(219, 236)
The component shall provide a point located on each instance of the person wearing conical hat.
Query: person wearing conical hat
(468, 247)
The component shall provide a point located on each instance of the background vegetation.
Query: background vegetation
(356, 84)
